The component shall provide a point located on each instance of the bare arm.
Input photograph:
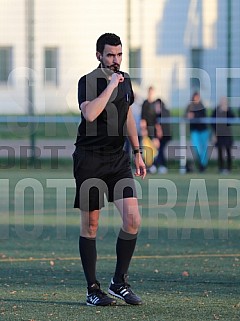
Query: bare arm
(133, 137)
(132, 130)
(91, 109)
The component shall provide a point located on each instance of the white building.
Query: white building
(180, 40)
(65, 43)
(167, 39)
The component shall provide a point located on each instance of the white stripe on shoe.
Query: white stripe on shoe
(124, 292)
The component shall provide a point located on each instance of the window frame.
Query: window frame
(7, 65)
(51, 78)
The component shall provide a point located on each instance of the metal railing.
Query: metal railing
(181, 121)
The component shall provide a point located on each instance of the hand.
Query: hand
(140, 166)
(159, 132)
(143, 127)
(156, 142)
(116, 79)
(190, 115)
(214, 139)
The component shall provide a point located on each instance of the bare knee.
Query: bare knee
(92, 229)
(129, 211)
(132, 223)
(89, 224)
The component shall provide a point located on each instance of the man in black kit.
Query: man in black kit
(101, 167)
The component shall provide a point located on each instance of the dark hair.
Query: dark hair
(160, 102)
(107, 39)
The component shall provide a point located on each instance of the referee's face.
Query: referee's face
(111, 57)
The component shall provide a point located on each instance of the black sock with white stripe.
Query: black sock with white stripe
(125, 246)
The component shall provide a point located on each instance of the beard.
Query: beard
(111, 68)
(115, 67)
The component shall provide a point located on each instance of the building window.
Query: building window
(135, 64)
(5, 64)
(196, 60)
(51, 72)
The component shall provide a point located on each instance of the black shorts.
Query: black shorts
(97, 175)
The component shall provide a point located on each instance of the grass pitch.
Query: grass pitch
(185, 267)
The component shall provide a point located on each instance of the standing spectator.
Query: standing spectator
(223, 133)
(164, 134)
(149, 125)
(148, 116)
(198, 130)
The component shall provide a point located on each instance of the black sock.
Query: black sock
(124, 248)
(88, 254)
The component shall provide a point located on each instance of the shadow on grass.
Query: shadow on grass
(43, 302)
(66, 303)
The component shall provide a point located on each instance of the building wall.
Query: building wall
(73, 27)
(12, 33)
(198, 24)
(164, 32)
(236, 51)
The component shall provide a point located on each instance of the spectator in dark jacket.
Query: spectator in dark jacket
(223, 133)
(164, 135)
(149, 128)
(148, 114)
(198, 130)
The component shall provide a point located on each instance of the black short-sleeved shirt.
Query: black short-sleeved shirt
(107, 132)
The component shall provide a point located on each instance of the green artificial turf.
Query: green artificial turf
(186, 263)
